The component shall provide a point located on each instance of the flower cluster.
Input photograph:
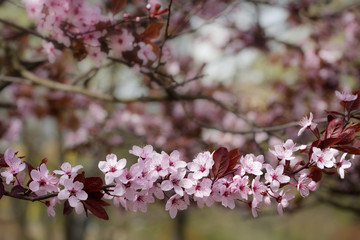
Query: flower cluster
(83, 27)
(221, 176)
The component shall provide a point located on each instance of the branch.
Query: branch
(23, 29)
(229, 8)
(30, 198)
(44, 197)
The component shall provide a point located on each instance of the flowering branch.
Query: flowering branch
(222, 176)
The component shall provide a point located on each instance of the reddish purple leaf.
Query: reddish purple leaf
(80, 177)
(334, 128)
(16, 190)
(221, 162)
(347, 136)
(234, 156)
(348, 149)
(117, 6)
(329, 142)
(44, 160)
(95, 207)
(93, 184)
(152, 31)
(2, 161)
(315, 174)
(356, 127)
(95, 195)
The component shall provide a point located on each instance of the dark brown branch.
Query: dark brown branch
(23, 29)
(44, 197)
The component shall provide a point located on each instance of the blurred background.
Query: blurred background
(273, 61)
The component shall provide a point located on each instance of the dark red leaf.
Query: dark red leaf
(44, 161)
(2, 190)
(315, 174)
(221, 162)
(152, 31)
(234, 156)
(92, 184)
(348, 149)
(79, 50)
(356, 127)
(95, 195)
(67, 208)
(17, 190)
(334, 128)
(347, 136)
(329, 142)
(117, 6)
(95, 207)
(80, 177)
(2, 161)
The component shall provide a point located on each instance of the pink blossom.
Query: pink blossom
(285, 151)
(51, 51)
(283, 200)
(305, 184)
(145, 177)
(51, 206)
(200, 189)
(14, 163)
(34, 8)
(346, 97)
(140, 202)
(73, 191)
(275, 176)
(131, 177)
(111, 167)
(227, 198)
(177, 182)
(174, 204)
(92, 38)
(251, 164)
(307, 123)
(42, 181)
(240, 185)
(208, 201)
(144, 152)
(257, 188)
(342, 164)
(122, 42)
(159, 165)
(67, 171)
(201, 165)
(146, 53)
(174, 161)
(96, 55)
(324, 158)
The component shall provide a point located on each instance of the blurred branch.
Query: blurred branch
(166, 37)
(253, 129)
(342, 206)
(228, 9)
(44, 197)
(23, 29)
(7, 105)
